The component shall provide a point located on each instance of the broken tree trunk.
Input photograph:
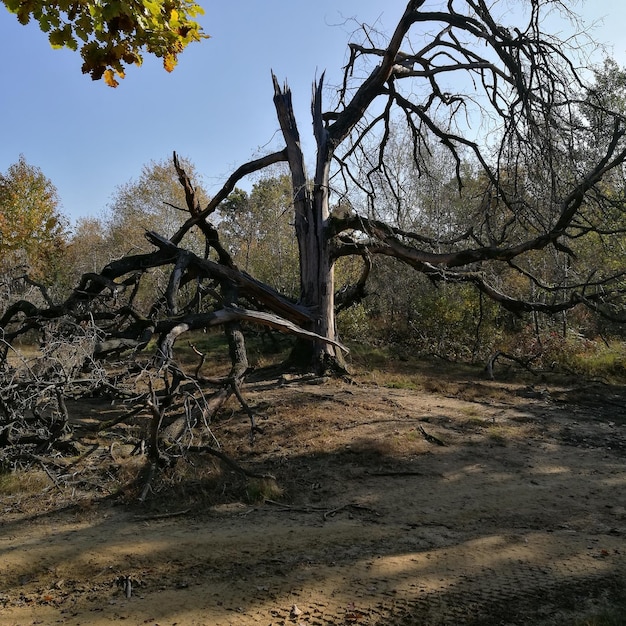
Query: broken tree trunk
(311, 224)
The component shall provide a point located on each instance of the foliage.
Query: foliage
(354, 323)
(258, 229)
(571, 352)
(153, 201)
(31, 224)
(88, 249)
(451, 321)
(113, 34)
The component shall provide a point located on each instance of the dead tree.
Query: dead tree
(525, 89)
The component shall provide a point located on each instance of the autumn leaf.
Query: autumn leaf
(113, 33)
(169, 62)
(109, 78)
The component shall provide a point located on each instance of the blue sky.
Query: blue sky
(215, 108)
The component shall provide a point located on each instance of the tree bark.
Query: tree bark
(311, 225)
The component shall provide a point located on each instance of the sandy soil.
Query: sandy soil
(518, 518)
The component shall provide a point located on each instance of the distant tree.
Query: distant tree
(32, 228)
(258, 229)
(88, 247)
(111, 35)
(155, 201)
(87, 250)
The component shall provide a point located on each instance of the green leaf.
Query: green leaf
(72, 44)
(121, 31)
(44, 23)
(57, 38)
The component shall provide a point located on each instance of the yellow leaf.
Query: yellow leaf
(109, 78)
(169, 62)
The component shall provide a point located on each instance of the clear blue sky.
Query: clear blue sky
(215, 108)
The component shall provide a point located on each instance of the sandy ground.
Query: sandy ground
(518, 518)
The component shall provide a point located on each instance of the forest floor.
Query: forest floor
(418, 498)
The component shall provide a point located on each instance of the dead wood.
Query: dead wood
(326, 512)
(150, 474)
(431, 438)
(523, 362)
(160, 516)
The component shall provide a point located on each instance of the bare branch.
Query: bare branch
(229, 185)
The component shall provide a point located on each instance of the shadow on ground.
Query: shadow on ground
(494, 504)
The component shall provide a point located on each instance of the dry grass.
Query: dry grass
(398, 444)
(25, 483)
(499, 435)
(262, 489)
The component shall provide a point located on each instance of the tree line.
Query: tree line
(38, 249)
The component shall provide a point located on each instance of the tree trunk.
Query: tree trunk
(311, 224)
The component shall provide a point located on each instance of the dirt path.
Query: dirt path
(519, 518)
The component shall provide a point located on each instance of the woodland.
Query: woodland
(466, 202)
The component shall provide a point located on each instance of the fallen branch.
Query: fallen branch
(51, 476)
(251, 414)
(431, 438)
(359, 507)
(317, 509)
(399, 473)
(116, 420)
(525, 363)
(84, 455)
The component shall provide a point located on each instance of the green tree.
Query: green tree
(88, 250)
(113, 34)
(258, 229)
(31, 224)
(153, 201)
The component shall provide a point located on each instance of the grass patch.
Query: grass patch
(367, 358)
(261, 489)
(473, 418)
(263, 348)
(441, 386)
(212, 344)
(472, 413)
(602, 361)
(23, 483)
(498, 435)
(402, 383)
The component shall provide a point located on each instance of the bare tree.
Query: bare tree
(518, 120)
